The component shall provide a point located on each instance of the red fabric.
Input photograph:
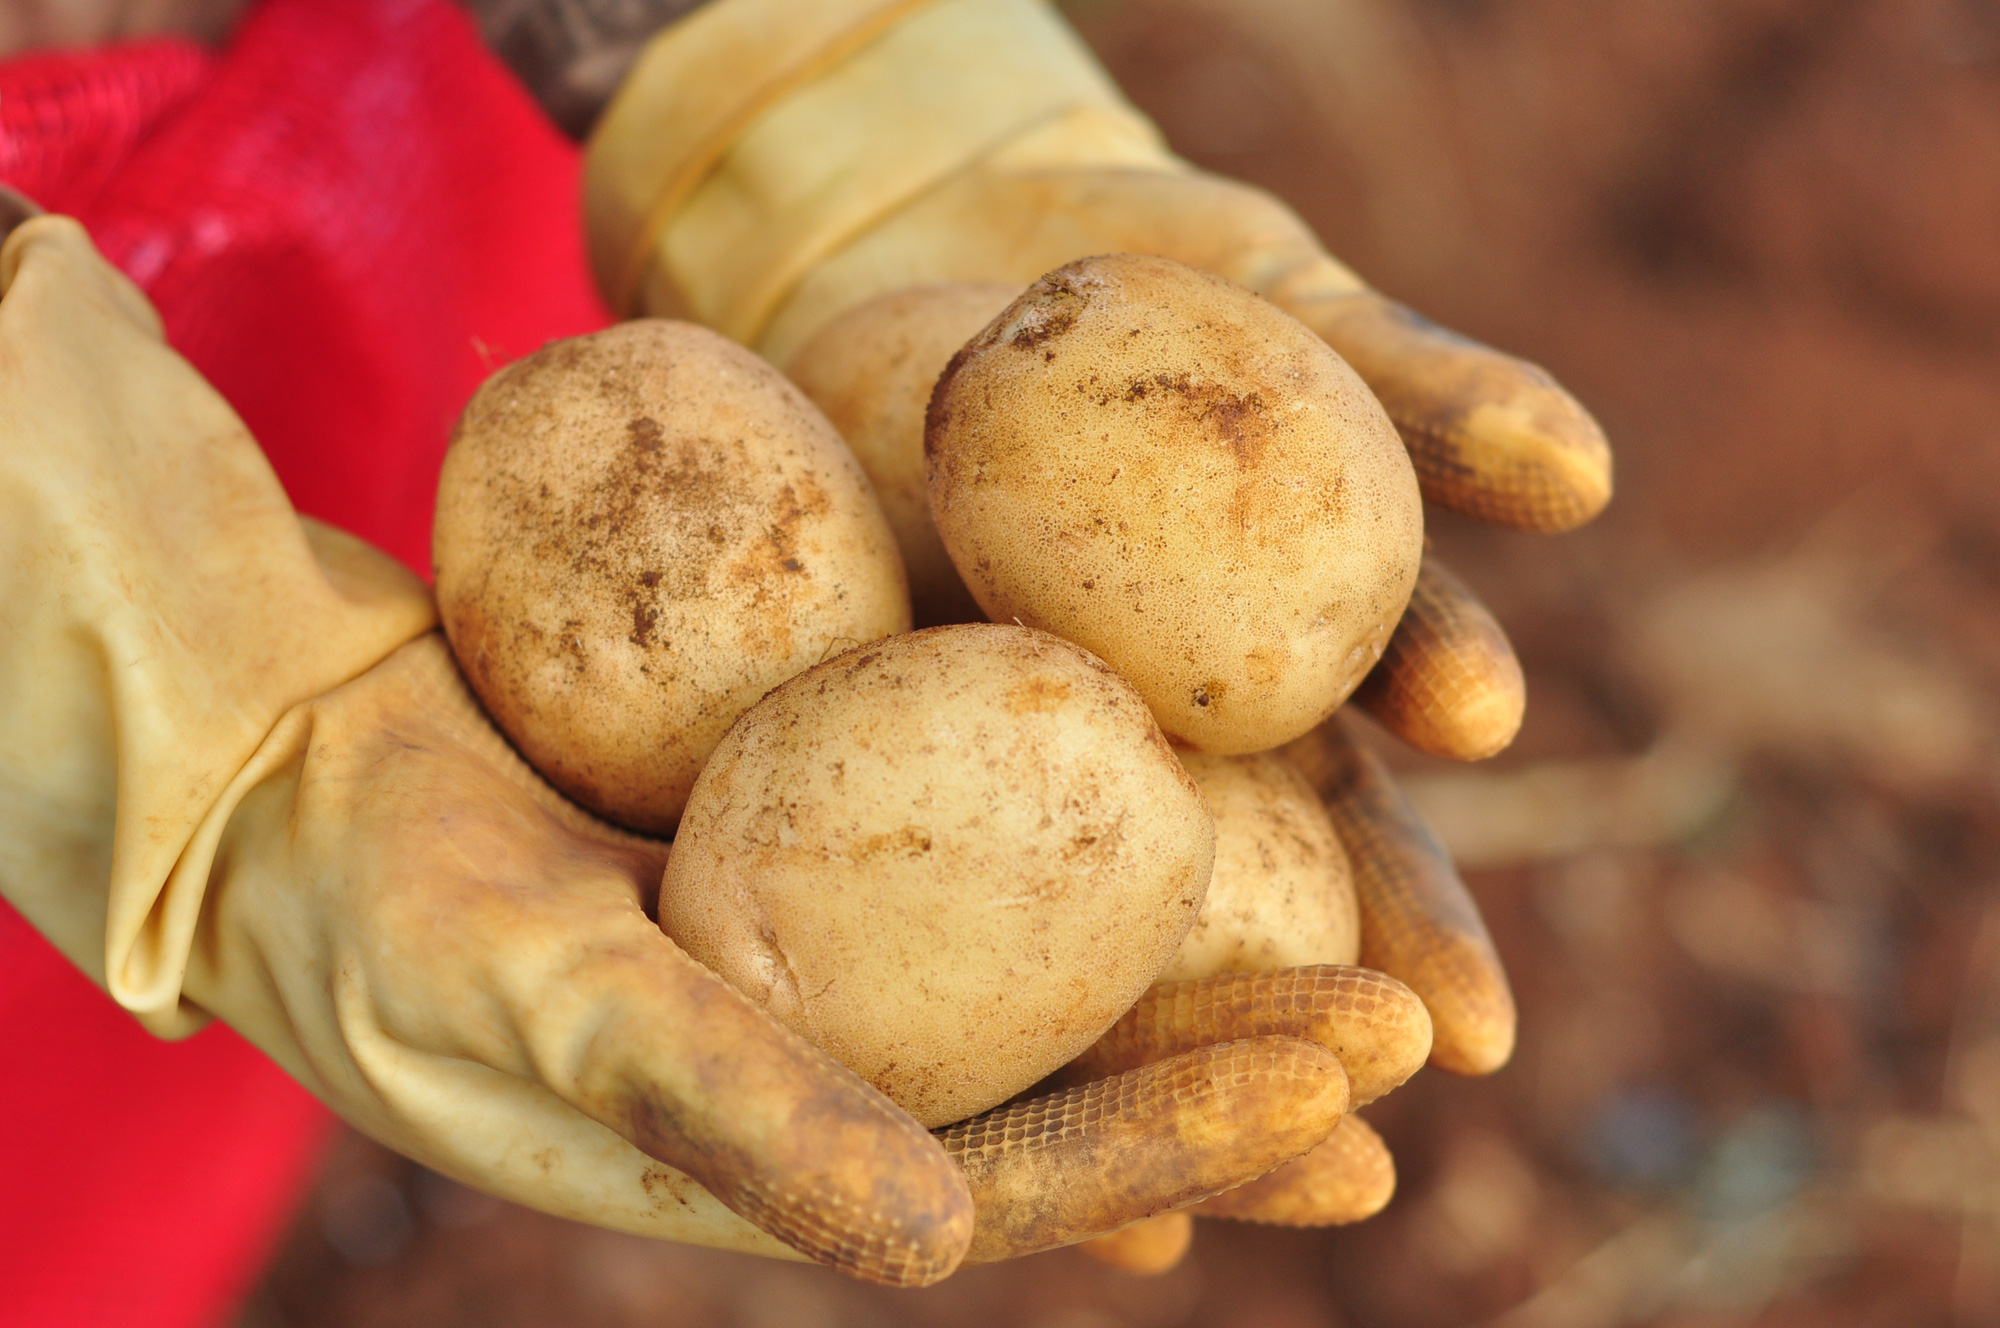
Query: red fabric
(346, 219)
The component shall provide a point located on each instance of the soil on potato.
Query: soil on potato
(1757, 951)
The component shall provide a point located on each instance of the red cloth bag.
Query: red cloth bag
(347, 218)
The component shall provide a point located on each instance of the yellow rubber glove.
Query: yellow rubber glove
(768, 164)
(240, 778)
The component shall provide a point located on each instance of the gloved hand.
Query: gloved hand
(240, 778)
(768, 165)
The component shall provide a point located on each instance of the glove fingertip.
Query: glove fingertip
(884, 1205)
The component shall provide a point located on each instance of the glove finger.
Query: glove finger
(695, 1075)
(1490, 435)
(1418, 921)
(1075, 1163)
(1347, 1178)
(1448, 683)
(1493, 437)
(1147, 1248)
(1375, 1026)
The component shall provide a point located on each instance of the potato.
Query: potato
(640, 532)
(1173, 473)
(950, 859)
(1281, 894)
(871, 370)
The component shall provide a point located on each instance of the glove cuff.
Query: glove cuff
(161, 607)
(757, 137)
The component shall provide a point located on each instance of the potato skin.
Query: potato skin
(640, 532)
(1282, 893)
(1159, 465)
(950, 859)
(871, 370)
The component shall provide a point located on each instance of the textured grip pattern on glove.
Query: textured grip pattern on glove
(1448, 683)
(1418, 921)
(1063, 1167)
(1348, 1178)
(1372, 1023)
(860, 1243)
(1492, 436)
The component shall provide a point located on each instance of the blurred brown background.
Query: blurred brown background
(1744, 863)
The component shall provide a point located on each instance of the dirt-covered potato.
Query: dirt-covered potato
(950, 859)
(1281, 894)
(1175, 474)
(640, 532)
(871, 370)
